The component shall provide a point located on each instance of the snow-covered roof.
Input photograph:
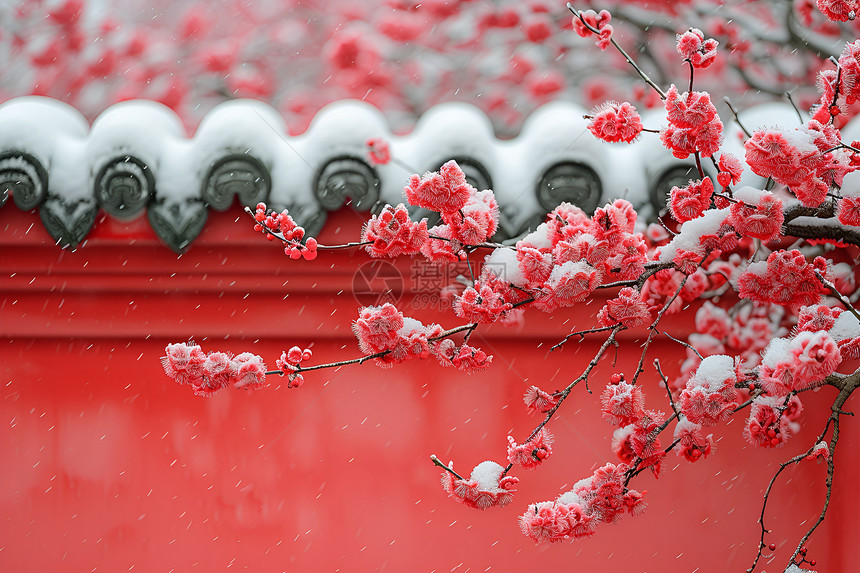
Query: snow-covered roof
(136, 158)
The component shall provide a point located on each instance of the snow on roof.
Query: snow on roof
(137, 159)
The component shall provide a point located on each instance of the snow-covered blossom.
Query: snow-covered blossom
(690, 201)
(793, 159)
(710, 394)
(693, 445)
(817, 317)
(694, 233)
(476, 221)
(536, 266)
(376, 328)
(441, 247)
(622, 403)
(486, 487)
(614, 221)
(757, 214)
(391, 233)
(532, 453)
(849, 64)
(693, 46)
(638, 444)
(846, 333)
(464, 357)
(799, 362)
(553, 521)
(503, 266)
(848, 211)
(483, 303)
(819, 452)
(183, 362)
(685, 141)
(566, 221)
(251, 371)
(569, 283)
(627, 309)
(217, 372)
(690, 109)
(785, 278)
(839, 10)
(443, 191)
(766, 425)
(604, 496)
(412, 341)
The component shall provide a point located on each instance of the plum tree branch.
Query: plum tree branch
(362, 359)
(847, 384)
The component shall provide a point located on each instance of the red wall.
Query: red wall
(109, 466)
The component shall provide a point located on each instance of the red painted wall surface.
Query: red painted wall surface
(109, 466)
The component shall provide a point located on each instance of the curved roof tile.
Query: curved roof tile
(136, 158)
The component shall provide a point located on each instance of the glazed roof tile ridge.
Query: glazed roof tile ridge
(136, 158)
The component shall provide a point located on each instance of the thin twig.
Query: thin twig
(690, 346)
(794, 105)
(450, 470)
(360, 360)
(737, 119)
(842, 298)
(584, 376)
(666, 383)
(582, 334)
(627, 57)
(851, 384)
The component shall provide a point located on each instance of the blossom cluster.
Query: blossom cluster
(532, 452)
(537, 400)
(207, 373)
(290, 363)
(590, 22)
(638, 444)
(487, 486)
(614, 122)
(743, 333)
(392, 338)
(469, 217)
(772, 420)
(807, 160)
(282, 226)
(561, 263)
(792, 364)
(636, 438)
(785, 278)
(710, 395)
(694, 125)
(601, 498)
(391, 233)
(697, 50)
